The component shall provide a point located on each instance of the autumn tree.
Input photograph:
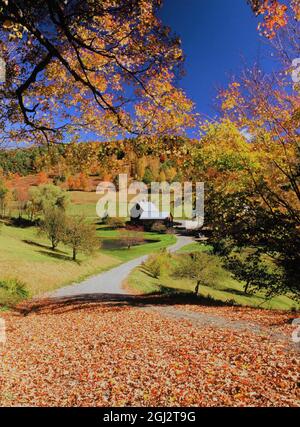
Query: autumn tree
(91, 56)
(130, 238)
(162, 176)
(141, 164)
(3, 197)
(251, 200)
(47, 196)
(80, 157)
(80, 236)
(170, 173)
(148, 176)
(153, 265)
(20, 196)
(83, 181)
(42, 178)
(154, 167)
(115, 223)
(159, 227)
(276, 14)
(253, 272)
(53, 225)
(200, 267)
(250, 161)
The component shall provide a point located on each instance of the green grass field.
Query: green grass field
(225, 289)
(84, 203)
(26, 256)
(160, 241)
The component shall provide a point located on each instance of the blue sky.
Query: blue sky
(219, 38)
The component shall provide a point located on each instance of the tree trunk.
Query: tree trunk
(53, 245)
(247, 287)
(197, 287)
(74, 254)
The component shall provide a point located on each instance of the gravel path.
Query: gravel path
(108, 288)
(110, 282)
(220, 322)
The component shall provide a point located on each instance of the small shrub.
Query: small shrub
(59, 179)
(153, 266)
(115, 223)
(158, 227)
(12, 291)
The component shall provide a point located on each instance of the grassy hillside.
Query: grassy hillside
(83, 203)
(225, 289)
(27, 257)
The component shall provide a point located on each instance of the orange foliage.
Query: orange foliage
(70, 182)
(83, 182)
(79, 182)
(275, 17)
(42, 178)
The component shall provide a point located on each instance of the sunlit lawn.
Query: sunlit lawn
(225, 289)
(84, 203)
(26, 256)
(160, 241)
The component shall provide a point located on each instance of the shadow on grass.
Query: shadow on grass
(241, 293)
(40, 245)
(110, 302)
(21, 222)
(145, 270)
(59, 256)
(165, 290)
(108, 228)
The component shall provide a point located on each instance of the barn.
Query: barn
(146, 214)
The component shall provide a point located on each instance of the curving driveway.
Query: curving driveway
(110, 282)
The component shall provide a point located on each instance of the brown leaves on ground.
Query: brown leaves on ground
(277, 320)
(103, 354)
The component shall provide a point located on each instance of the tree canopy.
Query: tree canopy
(102, 65)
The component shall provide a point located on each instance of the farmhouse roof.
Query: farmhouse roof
(148, 210)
